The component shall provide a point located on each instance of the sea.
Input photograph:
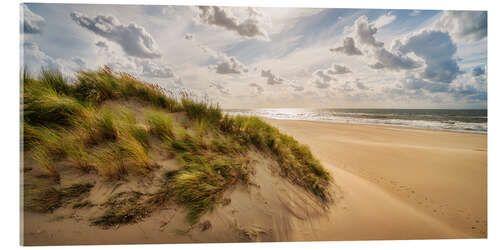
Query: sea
(461, 120)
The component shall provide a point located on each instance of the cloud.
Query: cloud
(384, 20)
(478, 71)
(361, 85)
(155, 70)
(324, 77)
(31, 22)
(102, 44)
(139, 67)
(80, 62)
(133, 39)
(318, 83)
(392, 61)
(416, 83)
(229, 65)
(464, 25)
(472, 88)
(258, 89)
(223, 17)
(349, 48)
(338, 69)
(219, 87)
(189, 36)
(365, 32)
(32, 53)
(296, 87)
(272, 79)
(437, 49)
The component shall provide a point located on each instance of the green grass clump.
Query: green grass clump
(124, 208)
(52, 198)
(206, 173)
(79, 156)
(99, 86)
(202, 110)
(44, 159)
(55, 81)
(47, 107)
(159, 124)
(201, 183)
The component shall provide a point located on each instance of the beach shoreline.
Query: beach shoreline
(385, 125)
(455, 120)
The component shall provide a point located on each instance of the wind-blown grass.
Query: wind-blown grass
(159, 124)
(73, 122)
(49, 199)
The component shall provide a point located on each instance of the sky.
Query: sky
(245, 57)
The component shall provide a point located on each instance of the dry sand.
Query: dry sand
(391, 183)
(399, 183)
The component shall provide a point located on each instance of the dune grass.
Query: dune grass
(73, 122)
(49, 199)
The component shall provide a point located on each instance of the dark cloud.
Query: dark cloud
(392, 61)
(338, 69)
(322, 75)
(349, 48)
(101, 44)
(365, 32)
(361, 85)
(377, 65)
(464, 25)
(258, 89)
(134, 39)
(229, 65)
(31, 22)
(219, 87)
(189, 36)
(414, 83)
(438, 50)
(272, 79)
(318, 83)
(80, 62)
(327, 75)
(478, 71)
(470, 93)
(217, 16)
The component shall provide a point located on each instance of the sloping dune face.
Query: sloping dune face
(113, 160)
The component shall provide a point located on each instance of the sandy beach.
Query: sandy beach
(399, 183)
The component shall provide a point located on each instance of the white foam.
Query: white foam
(344, 117)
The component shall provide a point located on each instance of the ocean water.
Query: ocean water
(474, 121)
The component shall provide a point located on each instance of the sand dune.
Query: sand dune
(398, 183)
(390, 183)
